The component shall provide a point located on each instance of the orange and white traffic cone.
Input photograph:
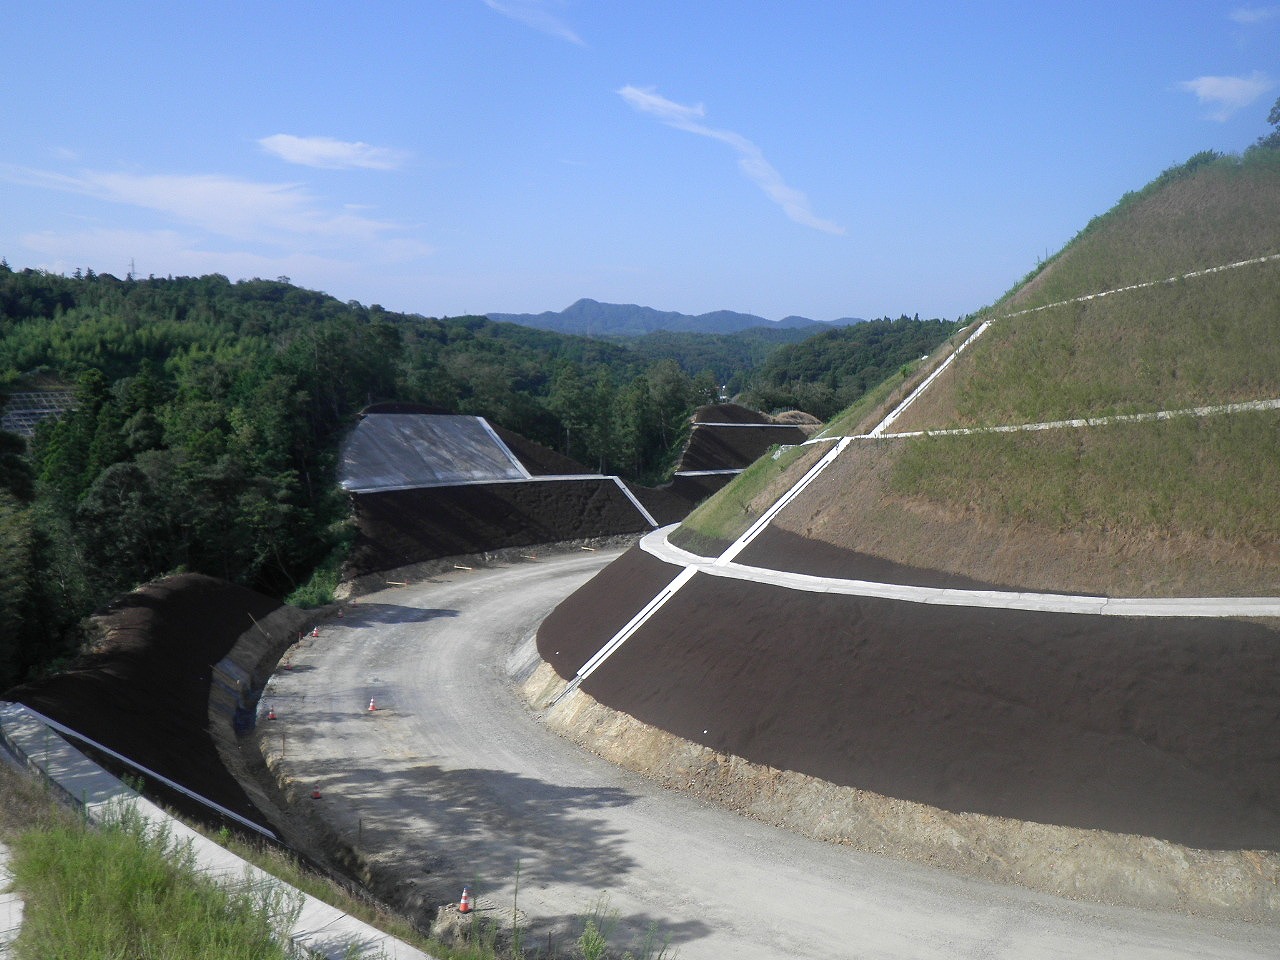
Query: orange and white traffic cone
(271, 713)
(373, 707)
(315, 631)
(339, 613)
(315, 792)
(464, 905)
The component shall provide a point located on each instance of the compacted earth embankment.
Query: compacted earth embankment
(1125, 760)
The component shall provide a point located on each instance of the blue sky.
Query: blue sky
(468, 156)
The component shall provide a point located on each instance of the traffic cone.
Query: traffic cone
(271, 713)
(315, 792)
(315, 631)
(373, 707)
(339, 613)
(464, 905)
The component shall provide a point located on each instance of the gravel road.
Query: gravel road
(451, 780)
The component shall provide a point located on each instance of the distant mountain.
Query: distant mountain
(592, 318)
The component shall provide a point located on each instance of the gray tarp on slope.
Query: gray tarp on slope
(405, 451)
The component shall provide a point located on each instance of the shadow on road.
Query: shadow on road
(473, 825)
(385, 613)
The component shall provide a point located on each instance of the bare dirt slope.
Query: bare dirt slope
(144, 690)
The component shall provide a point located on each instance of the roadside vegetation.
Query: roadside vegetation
(122, 890)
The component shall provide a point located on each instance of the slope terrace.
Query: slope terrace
(996, 726)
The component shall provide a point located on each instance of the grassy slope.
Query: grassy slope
(1174, 508)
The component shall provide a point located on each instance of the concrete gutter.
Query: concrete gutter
(319, 928)
(658, 545)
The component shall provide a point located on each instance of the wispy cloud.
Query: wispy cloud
(329, 154)
(1247, 15)
(241, 210)
(1227, 95)
(750, 159)
(537, 14)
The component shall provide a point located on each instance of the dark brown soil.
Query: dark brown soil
(399, 527)
(665, 504)
(539, 460)
(696, 489)
(778, 549)
(144, 693)
(574, 631)
(729, 413)
(1158, 727)
(734, 448)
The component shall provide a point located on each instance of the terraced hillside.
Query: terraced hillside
(1188, 505)
(1108, 429)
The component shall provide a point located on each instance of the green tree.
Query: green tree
(1271, 140)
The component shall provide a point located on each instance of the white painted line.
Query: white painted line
(766, 518)
(901, 408)
(504, 448)
(1211, 411)
(658, 545)
(172, 785)
(636, 503)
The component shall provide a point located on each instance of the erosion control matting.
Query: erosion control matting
(395, 450)
(145, 693)
(1159, 727)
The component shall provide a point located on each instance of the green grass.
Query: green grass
(1209, 211)
(1201, 341)
(724, 517)
(123, 891)
(319, 589)
(1216, 477)
(853, 419)
(127, 893)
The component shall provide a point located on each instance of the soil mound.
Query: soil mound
(144, 690)
(397, 528)
(1157, 727)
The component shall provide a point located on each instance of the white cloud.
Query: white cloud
(241, 210)
(1247, 15)
(163, 252)
(750, 159)
(1227, 95)
(538, 15)
(329, 154)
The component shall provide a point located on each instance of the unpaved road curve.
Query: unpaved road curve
(452, 780)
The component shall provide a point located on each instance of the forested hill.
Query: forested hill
(207, 420)
(827, 372)
(592, 318)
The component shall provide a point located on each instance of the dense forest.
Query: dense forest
(829, 371)
(205, 431)
(208, 413)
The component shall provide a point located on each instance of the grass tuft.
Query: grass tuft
(128, 891)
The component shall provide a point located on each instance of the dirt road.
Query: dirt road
(450, 781)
